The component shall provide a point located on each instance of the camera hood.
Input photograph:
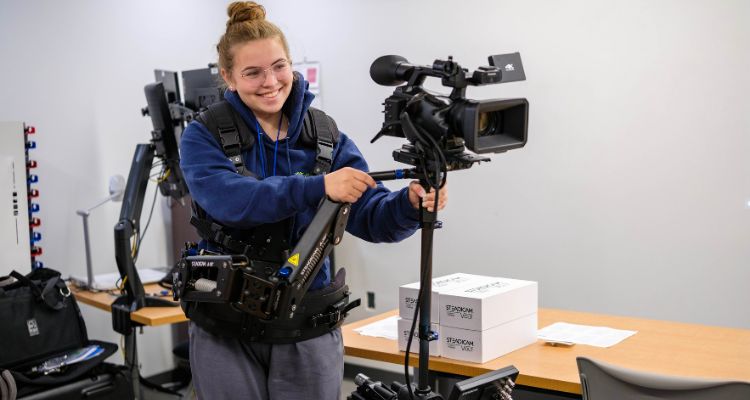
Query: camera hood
(491, 126)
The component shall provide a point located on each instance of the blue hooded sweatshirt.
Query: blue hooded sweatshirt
(243, 202)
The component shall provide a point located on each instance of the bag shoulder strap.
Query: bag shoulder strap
(8, 388)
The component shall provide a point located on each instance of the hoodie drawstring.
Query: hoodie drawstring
(261, 153)
(289, 165)
(275, 148)
(261, 150)
(276, 145)
(288, 160)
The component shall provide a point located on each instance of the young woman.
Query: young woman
(272, 101)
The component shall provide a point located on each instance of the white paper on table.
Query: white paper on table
(385, 328)
(599, 336)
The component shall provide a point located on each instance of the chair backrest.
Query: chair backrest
(602, 381)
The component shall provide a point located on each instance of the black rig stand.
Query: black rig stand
(428, 223)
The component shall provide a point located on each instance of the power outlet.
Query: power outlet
(370, 300)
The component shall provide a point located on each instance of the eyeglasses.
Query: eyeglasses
(258, 75)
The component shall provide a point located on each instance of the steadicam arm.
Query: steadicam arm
(246, 283)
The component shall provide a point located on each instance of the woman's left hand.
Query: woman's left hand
(417, 194)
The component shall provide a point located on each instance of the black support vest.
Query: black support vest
(323, 310)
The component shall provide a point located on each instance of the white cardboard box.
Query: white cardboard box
(489, 303)
(404, 326)
(486, 345)
(407, 294)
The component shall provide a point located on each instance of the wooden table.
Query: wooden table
(670, 348)
(149, 316)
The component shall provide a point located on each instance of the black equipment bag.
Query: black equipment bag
(41, 320)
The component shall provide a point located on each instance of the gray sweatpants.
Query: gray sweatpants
(228, 369)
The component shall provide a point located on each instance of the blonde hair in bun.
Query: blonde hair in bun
(247, 22)
(241, 11)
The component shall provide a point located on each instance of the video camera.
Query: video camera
(439, 129)
(447, 124)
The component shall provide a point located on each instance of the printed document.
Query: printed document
(599, 336)
(385, 328)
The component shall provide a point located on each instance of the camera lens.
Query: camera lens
(487, 124)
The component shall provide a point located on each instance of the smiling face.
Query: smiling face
(262, 76)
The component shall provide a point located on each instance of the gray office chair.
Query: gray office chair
(601, 381)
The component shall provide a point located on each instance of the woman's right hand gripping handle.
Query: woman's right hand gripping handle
(347, 184)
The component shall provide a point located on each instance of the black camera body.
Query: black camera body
(454, 122)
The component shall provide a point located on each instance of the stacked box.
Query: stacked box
(483, 346)
(408, 294)
(404, 326)
(489, 318)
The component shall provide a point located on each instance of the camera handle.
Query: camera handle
(428, 222)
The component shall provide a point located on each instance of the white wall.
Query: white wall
(630, 197)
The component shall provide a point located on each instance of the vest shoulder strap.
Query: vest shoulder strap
(221, 120)
(319, 131)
